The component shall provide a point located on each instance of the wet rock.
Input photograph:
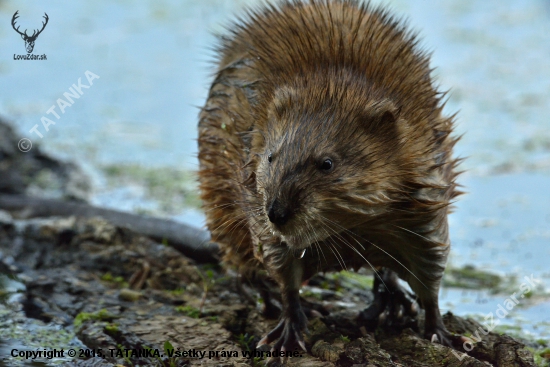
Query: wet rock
(36, 173)
(92, 362)
(326, 351)
(410, 349)
(488, 346)
(125, 293)
(129, 295)
(190, 334)
(366, 350)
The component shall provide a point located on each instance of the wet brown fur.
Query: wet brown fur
(303, 81)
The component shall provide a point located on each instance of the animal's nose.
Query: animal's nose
(277, 213)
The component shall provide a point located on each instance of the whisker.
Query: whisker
(417, 234)
(357, 251)
(379, 248)
(317, 245)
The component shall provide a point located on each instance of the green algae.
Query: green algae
(172, 188)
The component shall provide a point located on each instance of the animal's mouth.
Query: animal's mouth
(290, 234)
(295, 242)
(299, 238)
(301, 231)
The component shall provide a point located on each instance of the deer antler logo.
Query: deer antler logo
(29, 40)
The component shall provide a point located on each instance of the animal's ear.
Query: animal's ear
(382, 112)
(23, 36)
(381, 116)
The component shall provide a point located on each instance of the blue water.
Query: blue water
(154, 66)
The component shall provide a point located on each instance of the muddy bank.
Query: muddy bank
(120, 292)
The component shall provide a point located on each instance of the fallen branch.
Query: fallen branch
(190, 241)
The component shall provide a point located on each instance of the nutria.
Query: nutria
(322, 146)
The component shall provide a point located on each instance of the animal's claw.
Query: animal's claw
(442, 336)
(287, 335)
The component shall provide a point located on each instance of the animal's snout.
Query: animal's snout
(278, 213)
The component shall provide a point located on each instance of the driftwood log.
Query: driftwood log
(190, 241)
(18, 169)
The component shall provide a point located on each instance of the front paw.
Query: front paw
(288, 335)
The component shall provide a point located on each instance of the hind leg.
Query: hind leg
(392, 304)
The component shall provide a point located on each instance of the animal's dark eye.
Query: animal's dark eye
(326, 165)
(269, 158)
